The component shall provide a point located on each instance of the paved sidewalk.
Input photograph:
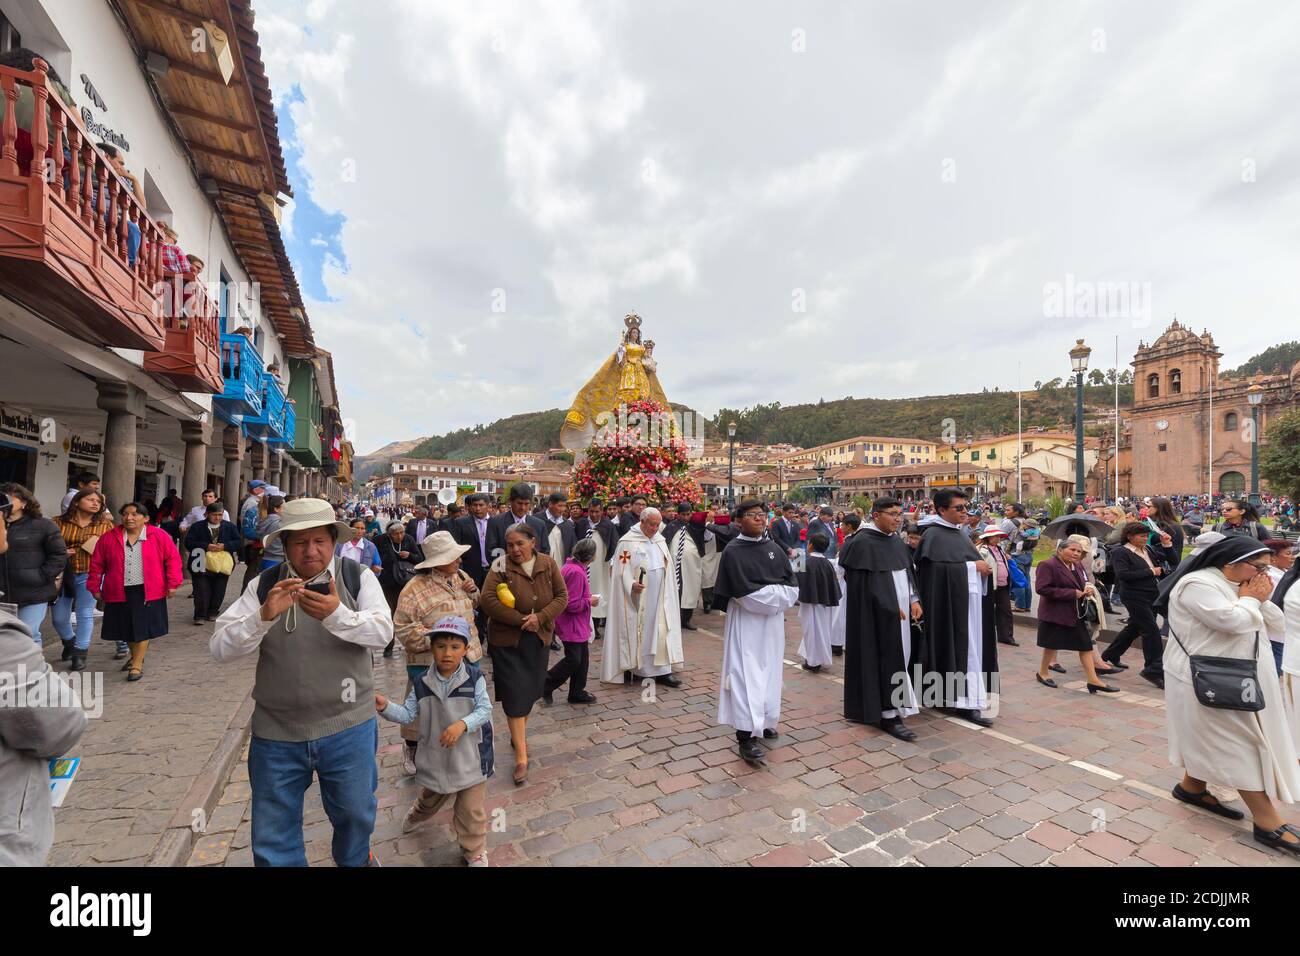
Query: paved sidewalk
(1063, 779)
(162, 745)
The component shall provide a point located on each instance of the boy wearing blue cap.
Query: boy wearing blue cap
(451, 707)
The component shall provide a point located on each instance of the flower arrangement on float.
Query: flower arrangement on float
(638, 451)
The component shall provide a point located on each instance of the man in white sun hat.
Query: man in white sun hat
(314, 622)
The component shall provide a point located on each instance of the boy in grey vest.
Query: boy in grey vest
(451, 708)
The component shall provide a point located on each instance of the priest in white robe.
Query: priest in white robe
(643, 632)
(755, 586)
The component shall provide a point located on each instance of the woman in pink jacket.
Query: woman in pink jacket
(573, 628)
(134, 570)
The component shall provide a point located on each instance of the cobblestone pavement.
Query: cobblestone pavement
(1063, 779)
(146, 762)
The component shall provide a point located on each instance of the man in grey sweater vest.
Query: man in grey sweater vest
(314, 625)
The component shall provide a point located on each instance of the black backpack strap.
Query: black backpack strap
(350, 575)
(268, 579)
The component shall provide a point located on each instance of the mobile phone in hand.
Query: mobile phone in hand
(320, 587)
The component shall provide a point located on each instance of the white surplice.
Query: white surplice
(838, 617)
(903, 591)
(753, 656)
(598, 575)
(815, 622)
(643, 632)
(976, 697)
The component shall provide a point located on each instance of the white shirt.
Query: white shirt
(353, 550)
(240, 628)
(133, 568)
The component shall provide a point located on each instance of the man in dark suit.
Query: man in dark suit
(822, 523)
(421, 526)
(559, 529)
(521, 499)
(785, 530)
(454, 513)
(632, 517)
(472, 529)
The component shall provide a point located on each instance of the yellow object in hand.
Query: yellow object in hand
(504, 595)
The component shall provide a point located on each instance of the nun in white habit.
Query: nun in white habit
(1218, 605)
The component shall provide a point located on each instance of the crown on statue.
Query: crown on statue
(633, 321)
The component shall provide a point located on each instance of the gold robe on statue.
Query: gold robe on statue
(613, 384)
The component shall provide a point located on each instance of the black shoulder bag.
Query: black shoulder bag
(1225, 683)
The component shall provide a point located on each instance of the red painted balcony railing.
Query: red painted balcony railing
(191, 357)
(64, 224)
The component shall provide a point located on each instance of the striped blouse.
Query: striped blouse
(75, 536)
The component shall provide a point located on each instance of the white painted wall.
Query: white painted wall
(84, 36)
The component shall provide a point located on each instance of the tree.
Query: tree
(1279, 459)
(1126, 377)
(1096, 377)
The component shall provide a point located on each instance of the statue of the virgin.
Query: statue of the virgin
(628, 375)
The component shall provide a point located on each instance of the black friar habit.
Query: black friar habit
(819, 584)
(748, 566)
(942, 584)
(874, 666)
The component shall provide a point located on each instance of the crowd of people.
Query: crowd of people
(913, 598)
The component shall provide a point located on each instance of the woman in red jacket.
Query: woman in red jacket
(134, 572)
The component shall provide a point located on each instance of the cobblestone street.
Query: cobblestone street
(161, 747)
(1062, 779)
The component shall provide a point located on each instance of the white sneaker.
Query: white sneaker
(480, 860)
(409, 822)
(408, 761)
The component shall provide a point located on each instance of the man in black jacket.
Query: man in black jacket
(521, 497)
(472, 529)
(559, 529)
(785, 530)
(632, 517)
(822, 523)
(421, 526)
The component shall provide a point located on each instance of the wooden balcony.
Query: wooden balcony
(66, 221)
(191, 355)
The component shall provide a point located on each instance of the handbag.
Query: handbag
(1225, 683)
(403, 570)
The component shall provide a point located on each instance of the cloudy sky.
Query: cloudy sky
(802, 200)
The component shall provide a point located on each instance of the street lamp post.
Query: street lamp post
(731, 464)
(1079, 362)
(1255, 395)
(957, 449)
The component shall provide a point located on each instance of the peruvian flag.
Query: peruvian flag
(336, 450)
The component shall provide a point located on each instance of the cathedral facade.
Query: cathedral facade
(1190, 428)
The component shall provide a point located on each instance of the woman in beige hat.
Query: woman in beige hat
(440, 588)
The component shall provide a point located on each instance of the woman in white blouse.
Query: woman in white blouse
(1217, 605)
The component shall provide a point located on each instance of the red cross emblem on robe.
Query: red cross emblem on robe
(625, 557)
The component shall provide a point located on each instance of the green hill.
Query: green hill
(1278, 357)
(979, 413)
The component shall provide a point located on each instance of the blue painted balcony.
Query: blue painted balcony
(286, 436)
(268, 424)
(242, 374)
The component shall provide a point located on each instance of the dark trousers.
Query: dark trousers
(1004, 623)
(572, 667)
(686, 615)
(1141, 622)
(252, 566)
(209, 592)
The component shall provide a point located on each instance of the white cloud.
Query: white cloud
(682, 161)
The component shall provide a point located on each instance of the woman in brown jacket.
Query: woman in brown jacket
(519, 636)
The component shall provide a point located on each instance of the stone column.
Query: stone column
(258, 451)
(273, 467)
(125, 405)
(197, 436)
(232, 446)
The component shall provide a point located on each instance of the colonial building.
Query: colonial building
(1190, 426)
(159, 373)
(867, 450)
